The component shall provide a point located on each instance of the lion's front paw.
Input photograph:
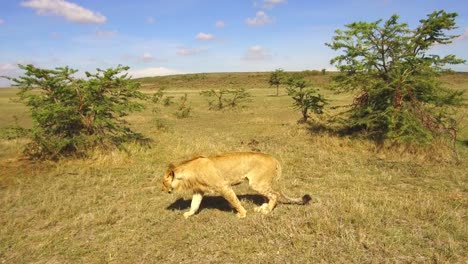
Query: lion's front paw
(242, 214)
(187, 214)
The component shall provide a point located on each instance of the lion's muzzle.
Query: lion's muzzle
(167, 189)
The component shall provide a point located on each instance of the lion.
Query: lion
(201, 175)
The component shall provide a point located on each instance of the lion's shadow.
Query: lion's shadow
(215, 202)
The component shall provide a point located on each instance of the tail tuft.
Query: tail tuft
(306, 199)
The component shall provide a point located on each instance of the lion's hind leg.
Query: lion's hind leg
(272, 201)
(262, 208)
(231, 197)
(272, 197)
(264, 205)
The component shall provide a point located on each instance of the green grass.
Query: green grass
(371, 204)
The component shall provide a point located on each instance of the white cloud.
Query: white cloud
(105, 34)
(150, 20)
(464, 35)
(182, 51)
(154, 71)
(70, 11)
(204, 36)
(9, 70)
(2, 21)
(273, 3)
(256, 53)
(7, 67)
(220, 24)
(260, 19)
(147, 57)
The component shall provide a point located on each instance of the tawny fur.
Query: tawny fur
(201, 175)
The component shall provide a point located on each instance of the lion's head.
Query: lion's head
(167, 180)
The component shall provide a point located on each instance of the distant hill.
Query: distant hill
(251, 80)
(206, 81)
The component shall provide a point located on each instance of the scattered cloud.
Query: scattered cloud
(7, 67)
(272, 3)
(204, 36)
(220, 24)
(10, 70)
(70, 11)
(147, 57)
(2, 21)
(464, 35)
(275, 2)
(105, 34)
(154, 71)
(182, 51)
(260, 19)
(150, 20)
(256, 53)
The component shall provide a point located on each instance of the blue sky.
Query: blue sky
(189, 36)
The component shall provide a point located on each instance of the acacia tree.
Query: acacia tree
(223, 98)
(276, 79)
(305, 98)
(397, 93)
(71, 116)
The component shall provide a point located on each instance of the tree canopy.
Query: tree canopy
(393, 74)
(71, 115)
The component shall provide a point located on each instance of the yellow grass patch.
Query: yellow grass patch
(372, 203)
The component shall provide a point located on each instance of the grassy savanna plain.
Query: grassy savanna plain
(371, 203)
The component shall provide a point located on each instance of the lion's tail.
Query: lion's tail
(288, 200)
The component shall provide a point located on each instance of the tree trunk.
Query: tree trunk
(304, 115)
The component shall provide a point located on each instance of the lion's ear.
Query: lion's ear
(170, 171)
(197, 156)
(171, 166)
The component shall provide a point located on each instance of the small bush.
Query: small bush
(161, 124)
(226, 98)
(167, 101)
(71, 116)
(160, 98)
(183, 110)
(305, 98)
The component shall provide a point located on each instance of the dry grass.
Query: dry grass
(371, 205)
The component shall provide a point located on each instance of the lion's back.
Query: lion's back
(204, 174)
(237, 166)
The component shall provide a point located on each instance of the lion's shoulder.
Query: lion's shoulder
(174, 165)
(235, 157)
(225, 158)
